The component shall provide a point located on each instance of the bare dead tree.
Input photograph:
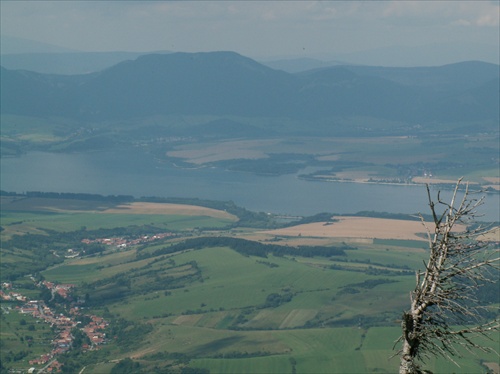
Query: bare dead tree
(445, 313)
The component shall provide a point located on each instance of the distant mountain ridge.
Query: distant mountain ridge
(226, 83)
(66, 63)
(16, 45)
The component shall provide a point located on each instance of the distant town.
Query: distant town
(63, 325)
(121, 242)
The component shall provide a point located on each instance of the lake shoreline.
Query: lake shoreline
(133, 173)
(494, 189)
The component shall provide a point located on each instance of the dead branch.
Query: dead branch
(444, 312)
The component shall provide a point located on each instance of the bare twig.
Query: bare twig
(444, 312)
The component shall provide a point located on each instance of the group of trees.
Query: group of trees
(250, 248)
(80, 196)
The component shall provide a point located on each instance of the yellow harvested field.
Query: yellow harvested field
(356, 176)
(493, 366)
(297, 241)
(169, 209)
(492, 235)
(359, 227)
(494, 180)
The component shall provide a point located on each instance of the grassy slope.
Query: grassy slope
(204, 334)
(20, 222)
(199, 319)
(15, 336)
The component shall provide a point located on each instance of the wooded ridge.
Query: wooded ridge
(226, 83)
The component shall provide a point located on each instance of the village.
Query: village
(62, 324)
(121, 242)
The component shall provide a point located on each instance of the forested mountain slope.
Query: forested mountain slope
(225, 83)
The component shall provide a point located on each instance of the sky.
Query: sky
(258, 29)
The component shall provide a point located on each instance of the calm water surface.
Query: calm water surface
(136, 173)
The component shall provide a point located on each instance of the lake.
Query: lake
(136, 173)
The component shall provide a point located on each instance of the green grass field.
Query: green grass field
(220, 310)
(199, 319)
(21, 336)
(37, 222)
(34, 215)
(199, 316)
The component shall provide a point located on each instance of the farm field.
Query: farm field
(248, 149)
(199, 320)
(357, 228)
(169, 209)
(33, 215)
(219, 309)
(214, 188)
(22, 333)
(335, 156)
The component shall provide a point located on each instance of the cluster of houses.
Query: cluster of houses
(94, 330)
(53, 367)
(61, 289)
(7, 294)
(121, 242)
(63, 342)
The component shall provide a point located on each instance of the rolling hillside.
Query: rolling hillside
(225, 83)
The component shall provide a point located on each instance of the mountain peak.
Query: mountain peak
(229, 84)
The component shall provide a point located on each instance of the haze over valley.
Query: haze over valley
(222, 110)
(242, 187)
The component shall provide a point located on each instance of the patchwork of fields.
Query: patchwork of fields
(337, 160)
(214, 308)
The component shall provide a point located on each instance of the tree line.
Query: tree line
(249, 248)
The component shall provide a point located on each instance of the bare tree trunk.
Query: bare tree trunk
(407, 365)
(445, 293)
(410, 346)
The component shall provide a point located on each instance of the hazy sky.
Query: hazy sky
(257, 29)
